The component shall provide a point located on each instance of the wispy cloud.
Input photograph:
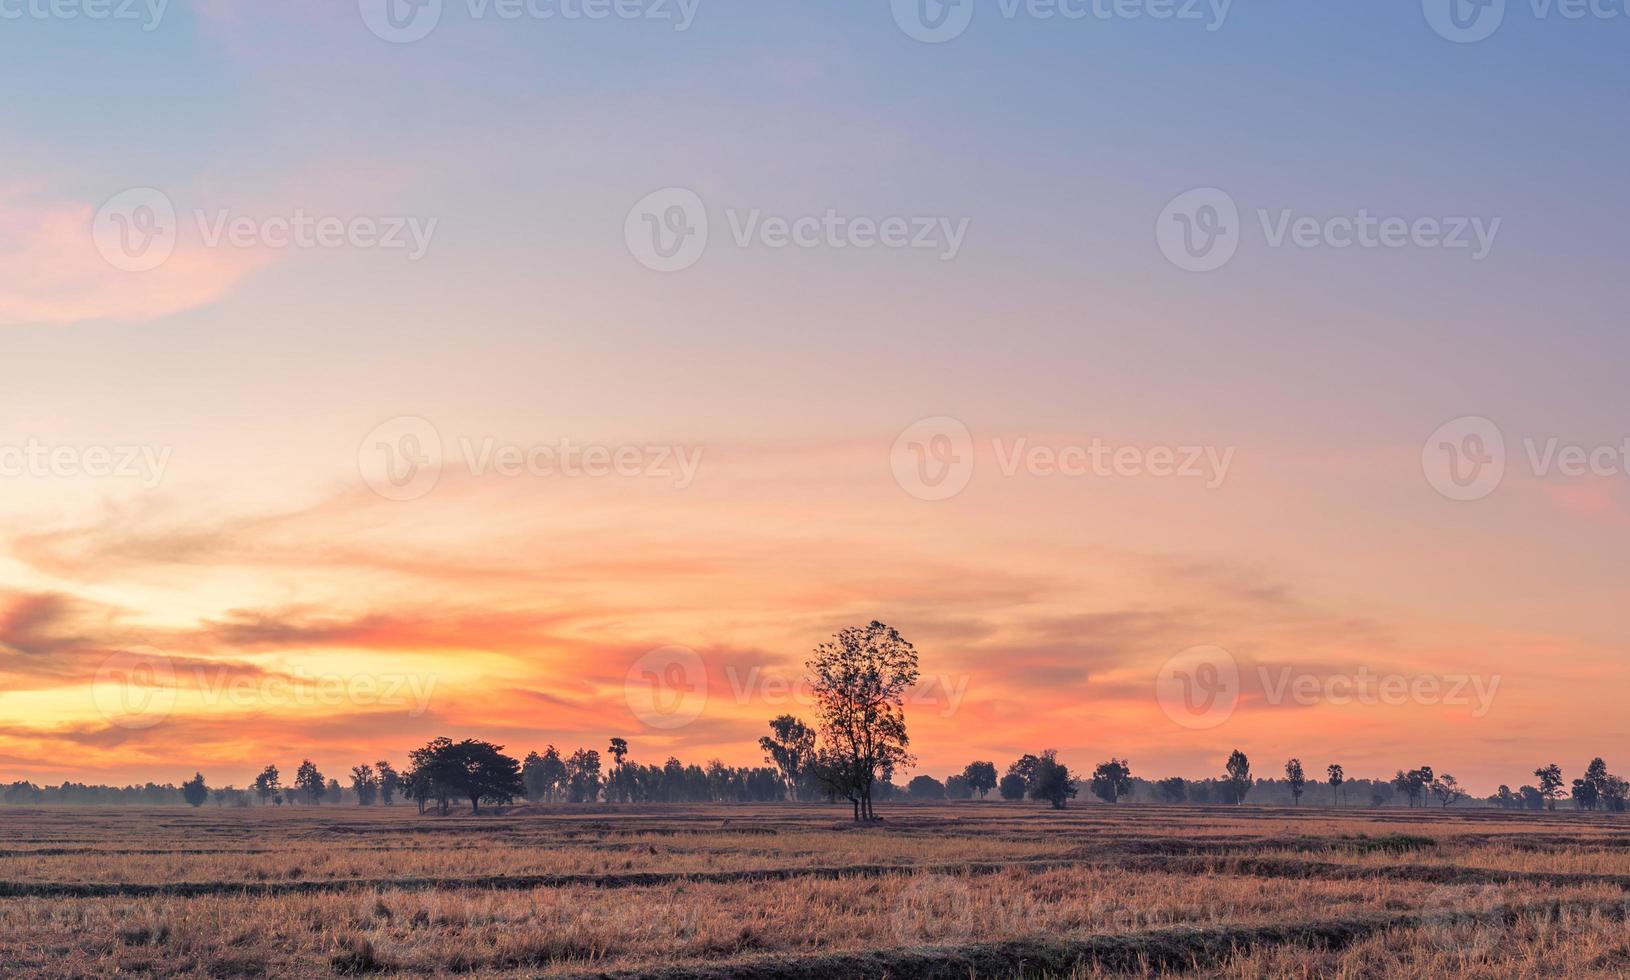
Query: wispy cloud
(52, 273)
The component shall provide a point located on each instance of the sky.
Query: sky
(1177, 377)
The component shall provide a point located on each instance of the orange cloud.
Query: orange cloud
(529, 605)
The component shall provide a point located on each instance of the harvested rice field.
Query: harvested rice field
(980, 890)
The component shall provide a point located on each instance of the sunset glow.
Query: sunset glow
(431, 442)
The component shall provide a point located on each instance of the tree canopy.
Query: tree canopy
(860, 678)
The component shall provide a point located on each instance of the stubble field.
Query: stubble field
(964, 890)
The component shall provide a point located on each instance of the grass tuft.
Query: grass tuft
(1393, 844)
(356, 958)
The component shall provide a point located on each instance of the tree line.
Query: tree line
(440, 774)
(851, 753)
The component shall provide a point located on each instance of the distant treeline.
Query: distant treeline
(1044, 777)
(858, 743)
(577, 778)
(581, 778)
(80, 794)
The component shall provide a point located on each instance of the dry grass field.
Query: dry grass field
(966, 890)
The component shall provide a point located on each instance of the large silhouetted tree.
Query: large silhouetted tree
(472, 769)
(1337, 777)
(860, 678)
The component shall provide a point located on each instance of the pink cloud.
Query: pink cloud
(1596, 501)
(51, 271)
